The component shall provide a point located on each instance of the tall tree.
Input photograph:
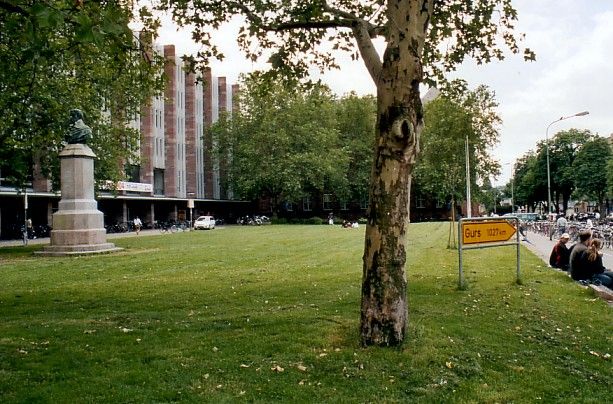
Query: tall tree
(281, 142)
(563, 149)
(451, 120)
(422, 39)
(356, 125)
(590, 170)
(440, 168)
(529, 187)
(63, 54)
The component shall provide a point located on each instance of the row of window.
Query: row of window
(421, 203)
(327, 204)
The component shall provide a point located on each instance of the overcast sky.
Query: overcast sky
(573, 41)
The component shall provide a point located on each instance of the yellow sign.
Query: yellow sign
(486, 232)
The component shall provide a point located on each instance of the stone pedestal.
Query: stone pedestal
(78, 225)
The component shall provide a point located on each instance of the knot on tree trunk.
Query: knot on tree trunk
(404, 132)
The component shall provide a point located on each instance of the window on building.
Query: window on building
(344, 205)
(158, 181)
(364, 202)
(327, 201)
(420, 202)
(132, 172)
(289, 207)
(306, 204)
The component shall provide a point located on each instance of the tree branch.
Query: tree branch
(363, 31)
(371, 58)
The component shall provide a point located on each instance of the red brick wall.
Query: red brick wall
(235, 90)
(147, 142)
(190, 135)
(40, 183)
(207, 89)
(170, 123)
(222, 89)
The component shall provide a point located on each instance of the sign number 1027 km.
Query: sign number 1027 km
(486, 232)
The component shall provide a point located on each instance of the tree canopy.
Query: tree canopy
(590, 170)
(61, 54)
(563, 149)
(528, 185)
(450, 122)
(282, 143)
(579, 165)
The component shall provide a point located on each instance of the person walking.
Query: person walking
(137, 225)
(561, 223)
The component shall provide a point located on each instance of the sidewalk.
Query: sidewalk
(542, 246)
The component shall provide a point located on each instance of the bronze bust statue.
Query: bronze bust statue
(78, 131)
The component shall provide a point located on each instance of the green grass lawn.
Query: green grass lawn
(272, 313)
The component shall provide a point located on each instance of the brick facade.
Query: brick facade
(190, 135)
(170, 122)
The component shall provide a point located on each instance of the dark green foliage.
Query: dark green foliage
(590, 170)
(59, 55)
(286, 143)
(580, 164)
(451, 120)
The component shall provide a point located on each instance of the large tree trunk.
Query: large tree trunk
(384, 311)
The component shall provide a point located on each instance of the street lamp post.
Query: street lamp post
(468, 207)
(547, 153)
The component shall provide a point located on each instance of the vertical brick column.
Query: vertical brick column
(147, 142)
(207, 99)
(170, 122)
(191, 176)
(40, 183)
(235, 90)
(223, 160)
(147, 139)
(222, 90)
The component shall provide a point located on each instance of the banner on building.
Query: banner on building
(128, 186)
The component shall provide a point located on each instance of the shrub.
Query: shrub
(315, 220)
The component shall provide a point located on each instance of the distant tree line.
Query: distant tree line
(581, 168)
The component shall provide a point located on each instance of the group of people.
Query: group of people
(583, 260)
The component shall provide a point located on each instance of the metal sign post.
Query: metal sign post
(486, 232)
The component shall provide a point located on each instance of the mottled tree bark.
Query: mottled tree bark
(384, 311)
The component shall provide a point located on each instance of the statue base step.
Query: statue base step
(79, 249)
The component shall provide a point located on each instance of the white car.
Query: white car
(204, 223)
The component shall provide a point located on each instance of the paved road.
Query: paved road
(542, 246)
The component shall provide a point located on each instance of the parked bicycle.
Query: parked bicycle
(256, 220)
(165, 227)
